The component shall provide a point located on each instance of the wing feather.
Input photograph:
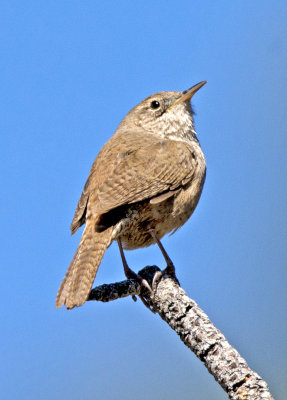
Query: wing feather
(146, 173)
(80, 213)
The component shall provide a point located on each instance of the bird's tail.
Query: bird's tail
(77, 283)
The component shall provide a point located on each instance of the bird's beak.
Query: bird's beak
(188, 94)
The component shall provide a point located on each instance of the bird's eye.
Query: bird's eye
(155, 104)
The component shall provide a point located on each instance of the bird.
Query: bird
(145, 182)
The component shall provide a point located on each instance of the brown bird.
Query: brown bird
(145, 182)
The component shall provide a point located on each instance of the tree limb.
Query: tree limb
(196, 331)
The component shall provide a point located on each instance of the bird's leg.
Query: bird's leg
(169, 270)
(130, 274)
(169, 264)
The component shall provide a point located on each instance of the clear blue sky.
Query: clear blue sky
(70, 70)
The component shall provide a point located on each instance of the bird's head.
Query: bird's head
(166, 114)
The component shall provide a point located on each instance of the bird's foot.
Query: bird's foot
(169, 270)
(130, 274)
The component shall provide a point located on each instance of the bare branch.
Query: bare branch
(196, 331)
(114, 291)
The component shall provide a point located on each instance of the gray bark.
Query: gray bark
(196, 331)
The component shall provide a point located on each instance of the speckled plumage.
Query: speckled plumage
(147, 177)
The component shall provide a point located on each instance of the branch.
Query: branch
(196, 331)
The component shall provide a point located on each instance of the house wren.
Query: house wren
(145, 182)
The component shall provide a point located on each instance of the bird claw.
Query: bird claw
(169, 270)
(130, 274)
(144, 285)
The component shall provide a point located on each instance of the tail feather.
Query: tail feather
(83, 268)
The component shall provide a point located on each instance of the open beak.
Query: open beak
(188, 94)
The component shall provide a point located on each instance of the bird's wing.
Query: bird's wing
(80, 213)
(112, 153)
(146, 173)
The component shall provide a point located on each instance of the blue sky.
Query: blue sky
(70, 70)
